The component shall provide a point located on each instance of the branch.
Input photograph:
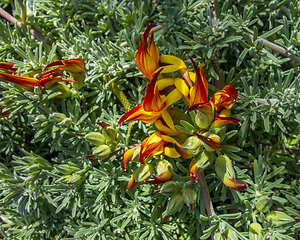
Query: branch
(278, 49)
(208, 203)
(10, 18)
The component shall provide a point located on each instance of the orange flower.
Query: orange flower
(8, 67)
(159, 143)
(220, 103)
(148, 60)
(71, 65)
(159, 95)
(25, 82)
(74, 66)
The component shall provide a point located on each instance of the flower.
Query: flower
(71, 65)
(8, 67)
(158, 96)
(148, 60)
(159, 143)
(47, 79)
(25, 82)
(130, 155)
(219, 105)
(164, 175)
(74, 66)
(226, 172)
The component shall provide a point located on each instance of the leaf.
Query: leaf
(274, 184)
(267, 123)
(275, 172)
(271, 32)
(84, 116)
(280, 125)
(242, 57)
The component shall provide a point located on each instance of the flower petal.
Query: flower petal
(222, 121)
(199, 92)
(224, 98)
(27, 83)
(209, 142)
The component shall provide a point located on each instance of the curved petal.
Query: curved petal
(162, 178)
(171, 63)
(127, 157)
(224, 98)
(27, 83)
(151, 146)
(152, 49)
(232, 183)
(222, 121)
(150, 96)
(71, 65)
(170, 151)
(193, 170)
(224, 113)
(209, 142)
(199, 92)
(146, 58)
(138, 113)
(182, 86)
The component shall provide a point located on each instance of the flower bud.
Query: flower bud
(66, 122)
(226, 172)
(193, 144)
(132, 184)
(143, 173)
(63, 88)
(204, 119)
(279, 218)
(213, 137)
(58, 117)
(79, 78)
(95, 138)
(109, 133)
(162, 169)
(189, 196)
(140, 175)
(199, 163)
(264, 203)
(102, 151)
(169, 188)
(174, 205)
(221, 132)
(130, 155)
(255, 231)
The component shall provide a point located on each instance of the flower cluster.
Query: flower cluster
(171, 81)
(51, 79)
(28, 81)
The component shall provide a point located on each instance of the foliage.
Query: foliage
(50, 190)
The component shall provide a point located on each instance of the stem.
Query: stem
(10, 18)
(278, 49)
(208, 203)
